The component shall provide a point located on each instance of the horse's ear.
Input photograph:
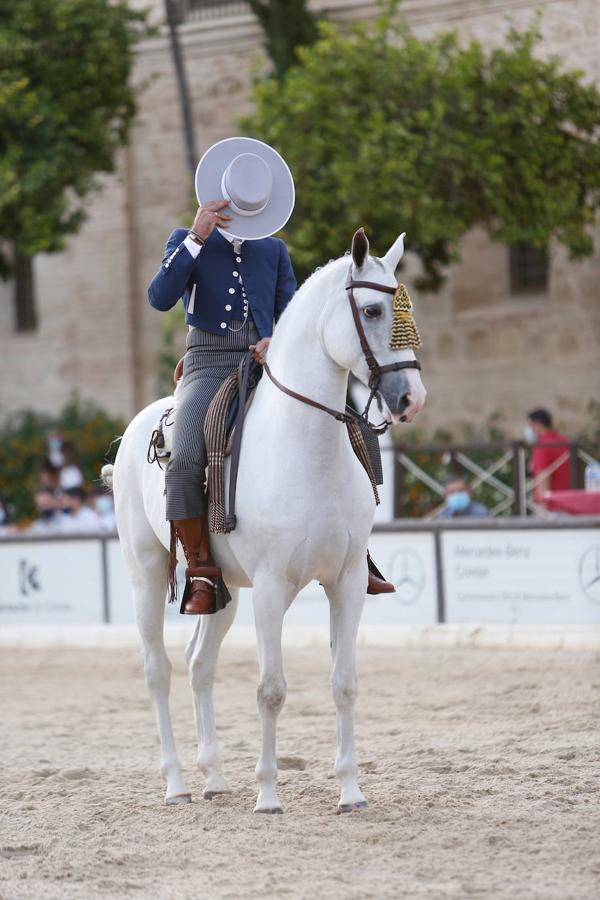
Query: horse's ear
(394, 254)
(360, 248)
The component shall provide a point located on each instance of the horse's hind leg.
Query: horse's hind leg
(346, 599)
(147, 569)
(202, 655)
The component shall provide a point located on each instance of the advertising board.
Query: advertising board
(52, 582)
(488, 574)
(522, 576)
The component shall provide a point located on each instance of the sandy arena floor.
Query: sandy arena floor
(481, 768)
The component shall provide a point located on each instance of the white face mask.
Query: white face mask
(529, 435)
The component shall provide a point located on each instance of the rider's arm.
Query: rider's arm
(286, 281)
(170, 282)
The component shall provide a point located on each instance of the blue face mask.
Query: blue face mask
(458, 501)
(529, 434)
(104, 505)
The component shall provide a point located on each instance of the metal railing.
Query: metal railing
(199, 10)
(497, 475)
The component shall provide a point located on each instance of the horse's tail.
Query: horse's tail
(106, 474)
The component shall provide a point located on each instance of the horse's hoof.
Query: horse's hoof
(178, 798)
(350, 807)
(208, 794)
(271, 811)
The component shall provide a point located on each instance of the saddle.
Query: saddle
(161, 440)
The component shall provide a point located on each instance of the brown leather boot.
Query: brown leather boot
(201, 575)
(377, 583)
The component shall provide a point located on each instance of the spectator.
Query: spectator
(459, 502)
(70, 475)
(7, 526)
(75, 517)
(54, 441)
(540, 432)
(48, 517)
(48, 477)
(104, 507)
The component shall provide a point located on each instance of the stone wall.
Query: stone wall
(485, 350)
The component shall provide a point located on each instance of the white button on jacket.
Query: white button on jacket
(228, 307)
(223, 324)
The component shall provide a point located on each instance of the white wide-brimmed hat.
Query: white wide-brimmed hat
(254, 178)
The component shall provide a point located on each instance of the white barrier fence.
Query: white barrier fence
(492, 572)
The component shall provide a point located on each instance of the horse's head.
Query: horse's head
(382, 355)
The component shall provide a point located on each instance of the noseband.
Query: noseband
(375, 370)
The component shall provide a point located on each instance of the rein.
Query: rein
(340, 416)
(376, 371)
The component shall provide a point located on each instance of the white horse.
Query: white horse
(304, 510)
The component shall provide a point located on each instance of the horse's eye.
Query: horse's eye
(372, 312)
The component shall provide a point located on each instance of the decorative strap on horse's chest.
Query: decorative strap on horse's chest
(360, 449)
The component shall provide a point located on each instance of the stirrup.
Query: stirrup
(203, 578)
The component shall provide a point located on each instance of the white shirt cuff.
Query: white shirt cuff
(192, 246)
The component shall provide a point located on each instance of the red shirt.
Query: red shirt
(542, 457)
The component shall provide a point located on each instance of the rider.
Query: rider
(235, 280)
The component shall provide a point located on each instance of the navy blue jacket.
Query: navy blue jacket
(208, 285)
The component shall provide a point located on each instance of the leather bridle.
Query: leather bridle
(375, 370)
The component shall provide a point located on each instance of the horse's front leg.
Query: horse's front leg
(271, 599)
(346, 599)
(202, 655)
(148, 573)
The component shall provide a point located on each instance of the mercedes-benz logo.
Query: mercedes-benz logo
(589, 573)
(407, 573)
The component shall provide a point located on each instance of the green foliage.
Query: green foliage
(287, 25)
(23, 448)
(431, 137)
(65, 108)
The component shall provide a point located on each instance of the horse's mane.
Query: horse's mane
(310, 281)
(305, 288)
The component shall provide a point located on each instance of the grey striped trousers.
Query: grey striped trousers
(209, 359)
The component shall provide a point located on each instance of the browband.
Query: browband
(387, 289)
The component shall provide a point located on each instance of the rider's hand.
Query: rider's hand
(259, 351)
(209, 217)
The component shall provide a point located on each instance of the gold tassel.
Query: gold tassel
(404, 334)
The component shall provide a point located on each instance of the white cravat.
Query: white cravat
(237, 242)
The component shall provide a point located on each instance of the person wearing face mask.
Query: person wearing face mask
(75, 516)
(54, 441)
(459, 502)
(104, 507)
(48, 517)
(7, 526)
(549, 446)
